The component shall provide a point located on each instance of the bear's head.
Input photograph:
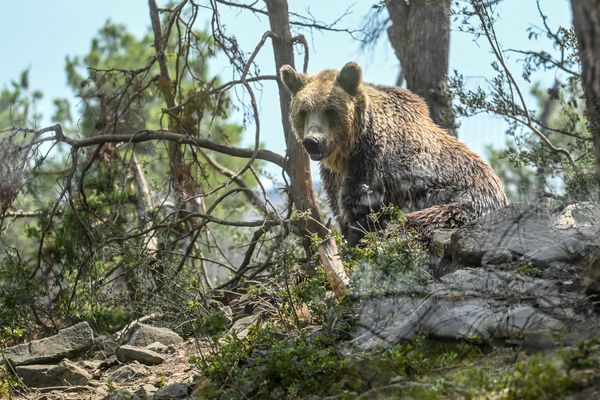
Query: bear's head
(326, 111)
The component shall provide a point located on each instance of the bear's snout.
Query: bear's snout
(316, 147)
(312, 145)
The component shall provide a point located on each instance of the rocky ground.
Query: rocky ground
(521, 277)
(153, 364)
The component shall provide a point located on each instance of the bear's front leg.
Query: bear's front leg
(358, 201)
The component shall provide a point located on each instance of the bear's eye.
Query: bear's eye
(302, 114)
(329, 112)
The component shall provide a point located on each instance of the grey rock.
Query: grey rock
(123, 374)
(474, 304)
(241, 327)
(144, 334)
(68, 342)
(106, 346)
(440, 241)
(146, 392)
(66, 373)
(158, 347)
(127, 353)
(90, 364)
(174, 391)
(496, 257)
(122, 394)
(529, 233)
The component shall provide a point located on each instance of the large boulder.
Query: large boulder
(516, 275)
(143, 334)
(472, 304)
(533, 234)
(67, 343)
(65, 373)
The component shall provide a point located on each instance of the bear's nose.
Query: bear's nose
(311, 144)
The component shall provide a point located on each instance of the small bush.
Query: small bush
(266, 365)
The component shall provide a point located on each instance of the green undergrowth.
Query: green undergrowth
(300, 348)
(271, 364)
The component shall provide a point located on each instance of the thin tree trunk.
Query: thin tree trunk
(420, 36)
(586, 20)
(143, 204)
(303, 195)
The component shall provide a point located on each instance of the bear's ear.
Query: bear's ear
(292, 79)
(350, 77)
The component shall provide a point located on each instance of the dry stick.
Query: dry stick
(144, 202)
(223, 170)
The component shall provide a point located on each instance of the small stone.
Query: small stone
(67, 343)
(496, 257)
(123, 374)
(241, 327)
(158, 347)
(119, 395)
(143, 335)
(90, 364)
(127, 353)
(440, 242)
(66, 373)
(174, 391)
(146, 392)
(106, 346)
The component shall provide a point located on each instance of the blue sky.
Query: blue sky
(40, 34)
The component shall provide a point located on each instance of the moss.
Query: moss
(529, 270)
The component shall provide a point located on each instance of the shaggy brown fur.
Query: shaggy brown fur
(378, 146)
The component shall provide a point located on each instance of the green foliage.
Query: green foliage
(18, 103)
(95, 238)
(213, 324)
(585, 354)
(529, 270)
(419, 357)
(18, 298)
(268, 365)
(537, 378)
(388, 260)
(530, 167)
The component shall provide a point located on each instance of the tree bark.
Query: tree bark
(302, 193)
(420, 36)
(586, 21)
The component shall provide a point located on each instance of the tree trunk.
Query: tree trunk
(303, 195)
(586, 20)
(420, 36)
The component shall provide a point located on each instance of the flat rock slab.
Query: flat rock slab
(530, 233)
(127, 353)
(67, 343)
(143, 334)
(475, 304)
(66, 373)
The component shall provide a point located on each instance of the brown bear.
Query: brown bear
(378, 146)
